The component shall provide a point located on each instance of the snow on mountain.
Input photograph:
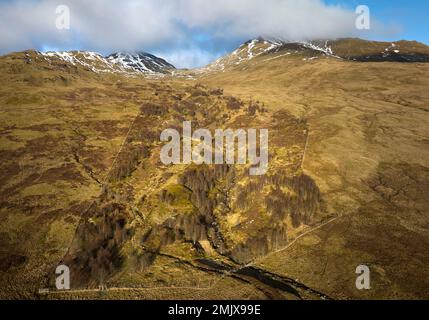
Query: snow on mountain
(321, 46)
(347, 49)
(260, 46)
(140, 62)
(120, 62)
(247, 51)
(351, 49)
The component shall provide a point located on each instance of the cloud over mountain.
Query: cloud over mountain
(190, 31)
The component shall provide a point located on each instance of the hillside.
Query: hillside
(83, 183)
(120, 62)
(343, 49)
(367, 151)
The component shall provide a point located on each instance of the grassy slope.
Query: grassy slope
(368, 152)
(61, 129)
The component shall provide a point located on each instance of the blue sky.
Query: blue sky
(192, 33)
(410, 16)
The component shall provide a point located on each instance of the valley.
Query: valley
(83, 184)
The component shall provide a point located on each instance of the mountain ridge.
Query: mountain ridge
(126, 62)
(140, 62)
(352, 49)
(147, 64)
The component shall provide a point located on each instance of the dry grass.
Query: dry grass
(67, 143)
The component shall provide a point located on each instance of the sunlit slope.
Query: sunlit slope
(368, 152)
(62, 126)
(84, 185)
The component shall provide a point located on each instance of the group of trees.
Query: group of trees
(297, 197)
(153, 109)
(201, 180)
(269, 239)
(233, 103)
(202, 183)
(95, 252)
(301, 201)
(128, 160)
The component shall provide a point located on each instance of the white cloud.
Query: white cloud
(188, 58)
(289, 19)
(167, 25)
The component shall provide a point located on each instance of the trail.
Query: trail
(231, 273)
(300, 236)
(104, 180)
(254, 262)
(305, 149)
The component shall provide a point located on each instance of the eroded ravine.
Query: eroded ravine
(200, 203)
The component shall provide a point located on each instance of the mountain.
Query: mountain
(375, 51)
(245, 52)
(140, 62)
(347, 49)
(148, 64)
